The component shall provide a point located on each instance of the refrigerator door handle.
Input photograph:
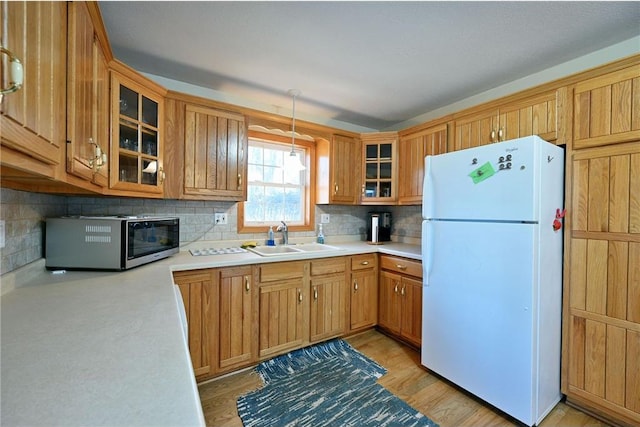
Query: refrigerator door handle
(427, 249)
(427, 190)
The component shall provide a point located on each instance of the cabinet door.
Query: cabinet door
(411, 310)
(535, 116)
(33, 118)
(601, 340)
(379, 174)
(328, 307)
(364, 298)
(197, 289)
(411, 153)
(478, 129)
(607, 109)
(136, 144)
(389, 309)
(338, 170)
(87, 99)
(215, 143)
(235, 321)
(282, 316)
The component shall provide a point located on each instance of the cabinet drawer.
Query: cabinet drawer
(362, 262)
(328, 266)
(401, 265)
(280, 271)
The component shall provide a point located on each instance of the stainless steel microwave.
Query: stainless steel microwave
(109, 242)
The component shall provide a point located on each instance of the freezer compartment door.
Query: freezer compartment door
(491, 182)
(477, 310)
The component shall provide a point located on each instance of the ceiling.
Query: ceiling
(370, 64)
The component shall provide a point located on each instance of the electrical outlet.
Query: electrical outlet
(325, 218)
(220, 218)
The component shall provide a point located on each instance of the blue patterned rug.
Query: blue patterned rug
(329, 384)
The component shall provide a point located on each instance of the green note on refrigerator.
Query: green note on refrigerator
(483, 172)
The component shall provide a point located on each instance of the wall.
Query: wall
(25, 212)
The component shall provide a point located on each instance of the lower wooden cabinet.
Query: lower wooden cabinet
(283, 307)
(219, 304)
(400, 309)
(363, 291)
(240, 315)
(197, 289)
(329, 293)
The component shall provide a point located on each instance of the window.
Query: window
(275, 192)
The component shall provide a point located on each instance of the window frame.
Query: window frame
(310, 193)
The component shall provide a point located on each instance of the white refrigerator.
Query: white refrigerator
(492, 282)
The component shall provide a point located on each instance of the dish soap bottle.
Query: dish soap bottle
(271, 240)
(320, 238)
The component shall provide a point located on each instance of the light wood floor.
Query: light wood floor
(437, 399)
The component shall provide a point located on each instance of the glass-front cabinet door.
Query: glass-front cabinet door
(136, 163)
(379, 169)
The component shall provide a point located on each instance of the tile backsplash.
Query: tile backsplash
(24, 215)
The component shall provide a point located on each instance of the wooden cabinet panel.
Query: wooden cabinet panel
(379, 168)
(400, 308)
(607, 109)
(137, 141)
(235, 321)
(412, 150)
(411, 310)
(364, 298)
(602, 292)
(363, 290)
(338, 170)
(87, 99)
(328, 312)
(282, 316)
(33, 118)
(530, 116)
(389, 309)
(197, 289)
(215, 146)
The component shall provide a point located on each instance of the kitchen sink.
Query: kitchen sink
(316, 247)
(274, 250)
(291, 249)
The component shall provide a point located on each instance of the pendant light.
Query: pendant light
(292, 162)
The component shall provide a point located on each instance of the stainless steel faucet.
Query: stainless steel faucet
(285, 233)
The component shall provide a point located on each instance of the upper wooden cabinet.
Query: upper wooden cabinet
(379, 168)
(607, 109)
(87, 99)
(412, 150)
(208, 148)
(137, 118)
(531, 116)
(215, 147)
(338, 170)
(33, 118)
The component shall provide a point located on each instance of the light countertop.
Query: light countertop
(107, 348)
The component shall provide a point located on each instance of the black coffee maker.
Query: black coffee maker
(382, 222)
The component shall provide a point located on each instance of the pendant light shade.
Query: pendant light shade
(292, 162)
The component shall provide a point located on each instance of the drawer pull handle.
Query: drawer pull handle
(355, 286)
(401, 267)
(315, 293)
(247, 286)
(299, 295)
(402, 291)
(395, 289)
(364, 263)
